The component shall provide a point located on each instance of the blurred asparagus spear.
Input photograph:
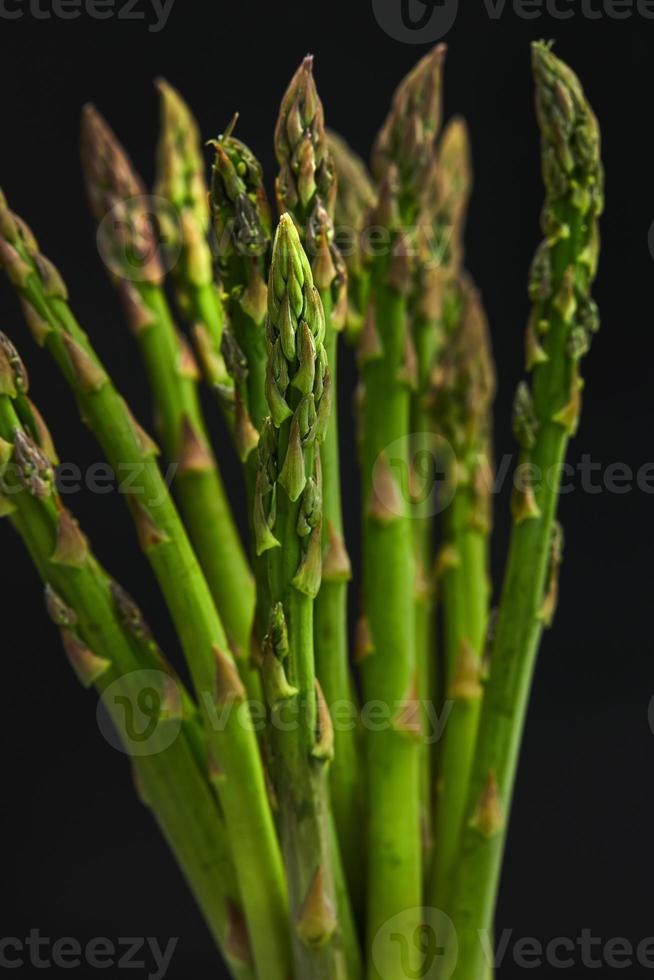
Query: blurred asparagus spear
(114, 188)
(355, 196)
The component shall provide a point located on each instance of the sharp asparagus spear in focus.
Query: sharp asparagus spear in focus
(289, 519)
(306, 188)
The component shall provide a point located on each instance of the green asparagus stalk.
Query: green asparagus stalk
(242, 231)
(306, 188)
(288, 514)
(559, 332)
(241, 222)
(387, 362)
(110, 648)
(462, 403)
(114, 188)
(454, 400)
(181, 181)
(221, 695)
(355, 195)
(439, 249)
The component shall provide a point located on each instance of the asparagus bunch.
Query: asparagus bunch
(309, 859)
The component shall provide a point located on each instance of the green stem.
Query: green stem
(203, 501)
(466, 597)
(331, 643)
(422, 461)
(389, 672)
(300, 778)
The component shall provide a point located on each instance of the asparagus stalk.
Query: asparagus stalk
(455, 368)
(241, 221)
(241, 224)
(387, 360)
(110, 648)
(288, 513)
(463, 397)
(113, 187)
(355, 195)
(181, 181)
(563, 320)
(306, 188)
(440, 249)
(162, 537)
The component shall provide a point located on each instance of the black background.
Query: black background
(79, 856)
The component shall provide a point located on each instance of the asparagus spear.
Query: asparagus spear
(435, 312)
(563, 320)
(181, 181)
(113, 187)
(161, 534)
(288, 514)
(355, 195)
(110, 647)
(306, 188)
(463, 395)
(387, 360)
(241, 217)
(456, 371)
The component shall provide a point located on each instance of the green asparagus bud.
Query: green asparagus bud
(181, 181)
(406, 140)
(113, 186)
(180, 163)
(242, 233)
(306, 180)
(306, 185)
(239, 205)
(298, 392)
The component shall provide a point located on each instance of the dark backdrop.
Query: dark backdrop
(79, 856)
